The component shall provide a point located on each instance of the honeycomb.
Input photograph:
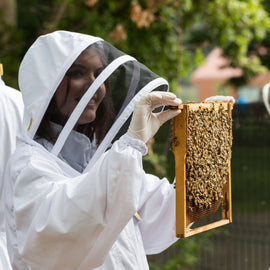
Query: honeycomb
(208, 155)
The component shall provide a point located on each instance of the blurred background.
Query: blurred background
(203, 48)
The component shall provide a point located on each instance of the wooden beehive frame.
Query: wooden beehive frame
(179, 131)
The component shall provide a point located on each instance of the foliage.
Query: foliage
(187, 251)
(235, 26)
(143, 29)
(169, 36)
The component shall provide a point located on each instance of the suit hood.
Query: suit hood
(43, 68)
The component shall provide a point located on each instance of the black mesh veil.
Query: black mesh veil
(125, 80)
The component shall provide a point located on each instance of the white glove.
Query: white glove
(144, 123)
(220, 98)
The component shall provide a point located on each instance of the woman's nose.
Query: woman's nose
(97, 93)
(88, 80)
(91, 78)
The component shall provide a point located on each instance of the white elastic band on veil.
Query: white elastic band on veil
(103, 76)
(265, 95)
(123, 118)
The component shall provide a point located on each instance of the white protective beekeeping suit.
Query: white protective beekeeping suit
(71, 204)
(265, 95)
(11, 113)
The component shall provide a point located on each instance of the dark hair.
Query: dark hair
(104, 115)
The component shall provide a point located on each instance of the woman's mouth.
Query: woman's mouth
(92, 101)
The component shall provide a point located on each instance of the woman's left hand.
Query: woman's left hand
(220, 99)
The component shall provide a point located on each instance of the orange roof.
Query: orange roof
(216, 68)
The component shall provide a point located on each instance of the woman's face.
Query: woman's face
(77, 80)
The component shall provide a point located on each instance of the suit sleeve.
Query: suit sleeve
(68, 223)
(157, 211)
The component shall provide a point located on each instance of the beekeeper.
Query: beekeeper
(11, 112)
(77, 194)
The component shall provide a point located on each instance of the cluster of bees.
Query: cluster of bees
(208, 156)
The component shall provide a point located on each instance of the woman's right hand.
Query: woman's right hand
(145, 123)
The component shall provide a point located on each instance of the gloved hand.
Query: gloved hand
(221, 99)
(144, 123)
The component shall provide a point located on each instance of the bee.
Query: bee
(208, 133)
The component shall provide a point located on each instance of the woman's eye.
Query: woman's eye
(75, 74)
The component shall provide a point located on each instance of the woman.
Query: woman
(75, 200)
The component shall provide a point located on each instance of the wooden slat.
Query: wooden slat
(179, 145)
(208, 227)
